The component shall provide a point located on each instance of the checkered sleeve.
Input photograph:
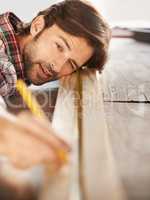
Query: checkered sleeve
(8, 75)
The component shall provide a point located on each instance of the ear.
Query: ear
(37, 25)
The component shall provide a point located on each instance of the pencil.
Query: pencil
(29, 99)
(35, 108)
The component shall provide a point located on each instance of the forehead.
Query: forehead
(80, 50)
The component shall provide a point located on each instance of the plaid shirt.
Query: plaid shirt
(11, 65)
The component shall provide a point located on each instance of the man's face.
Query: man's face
(54, 53)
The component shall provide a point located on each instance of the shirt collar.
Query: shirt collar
(8, 24)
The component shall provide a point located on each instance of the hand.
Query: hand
(28, 141)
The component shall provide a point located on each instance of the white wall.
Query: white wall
(113, 10)
(116, 10)
(26, 9)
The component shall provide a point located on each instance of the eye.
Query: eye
(59, 47)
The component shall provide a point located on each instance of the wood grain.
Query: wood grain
(99, 176)
(126, 75)
(65, 185)
(129, 135)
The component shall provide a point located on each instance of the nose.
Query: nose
(59, 62)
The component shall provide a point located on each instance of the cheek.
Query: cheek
(48, 51)
(51, 51)
(31, 52)
(41, 51)
(37, 51)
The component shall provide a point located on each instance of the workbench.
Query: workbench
(106, 119)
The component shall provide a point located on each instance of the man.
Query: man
(58, 41)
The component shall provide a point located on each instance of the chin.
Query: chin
(35, 82)
(39, 82)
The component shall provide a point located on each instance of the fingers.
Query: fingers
(25, 151)
(43, 131)
(29, 141)
(31, 157)
(48, 128)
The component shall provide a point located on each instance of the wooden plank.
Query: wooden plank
(65, 184)
(129, 135)
(99, 177)
(78, 120)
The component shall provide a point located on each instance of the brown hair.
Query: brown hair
(79, 19)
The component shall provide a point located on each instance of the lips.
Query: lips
(42, 76)
(46, 72)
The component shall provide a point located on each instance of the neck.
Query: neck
(22, 41)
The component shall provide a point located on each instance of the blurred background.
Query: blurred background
(119, 10)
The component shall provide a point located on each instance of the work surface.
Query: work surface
(126, 92)
(79, 118)
(114, 152)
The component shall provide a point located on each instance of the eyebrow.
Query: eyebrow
(65, 41)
